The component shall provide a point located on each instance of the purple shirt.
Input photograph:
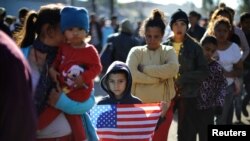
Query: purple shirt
(213, 89)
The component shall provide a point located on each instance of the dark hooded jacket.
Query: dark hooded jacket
(127, 96)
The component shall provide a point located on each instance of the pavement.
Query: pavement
(99, 93)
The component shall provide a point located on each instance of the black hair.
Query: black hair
(118, 71)
(23, 12)
(156, 19)
(195, 14)
(209, 39)
(48, 14)
(244, 16)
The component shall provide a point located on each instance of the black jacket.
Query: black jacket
(122, 43)
(193, 67)
(127, 97)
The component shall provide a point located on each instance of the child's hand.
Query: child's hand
(140, 67)
(53, 97)
(54, 74)
(164, 107)
(79, 83)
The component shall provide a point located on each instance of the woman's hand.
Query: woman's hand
(140, 67)
(53, 97)
(164, 107)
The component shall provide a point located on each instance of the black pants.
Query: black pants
(192, 121)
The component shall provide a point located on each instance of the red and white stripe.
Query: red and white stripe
(135, 122)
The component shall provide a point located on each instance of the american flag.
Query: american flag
(133, 122)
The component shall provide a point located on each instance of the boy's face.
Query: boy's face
(75, 36)
(117, 83)
(209, 50)
(179, 28)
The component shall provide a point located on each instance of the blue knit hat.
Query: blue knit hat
(74, 17)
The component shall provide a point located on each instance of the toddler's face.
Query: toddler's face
(75, 36)
(117, 84)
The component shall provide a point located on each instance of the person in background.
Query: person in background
(107, 30)
(3, 25)
(212, 91)
(195, 30)
(204, 22)
(95, 32)
(237, 36)
(193, 70)
(121, 43)
(17, 112)
(10, 21)
(42, 35)
(137, 32)
(22, 13)
(114, 23)
(245, 26)
(229, 56)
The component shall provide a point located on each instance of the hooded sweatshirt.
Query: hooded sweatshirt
(127, 98)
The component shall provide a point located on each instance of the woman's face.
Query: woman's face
(153, 37)
(221, 32)
(55, 36)
(117, 83)
(179, 28)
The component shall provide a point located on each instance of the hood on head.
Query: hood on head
(114, 67)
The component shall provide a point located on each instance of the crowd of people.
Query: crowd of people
(52, 56)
